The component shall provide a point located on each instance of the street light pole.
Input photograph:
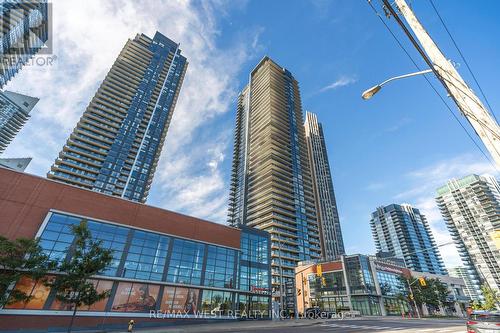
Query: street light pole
(484, 124)
(367, 94)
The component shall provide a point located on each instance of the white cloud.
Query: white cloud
(340, 82)
(422, 191)
(88, 35)
(375, 186)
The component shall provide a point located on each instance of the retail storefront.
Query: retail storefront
(354, 282)
(165, 267)
(374, 286)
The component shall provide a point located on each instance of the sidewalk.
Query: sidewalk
(231, 326)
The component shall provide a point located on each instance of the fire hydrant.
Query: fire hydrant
(131, 325)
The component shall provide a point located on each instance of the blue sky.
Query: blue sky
(398, 147)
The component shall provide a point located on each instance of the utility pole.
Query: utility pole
(469, 104)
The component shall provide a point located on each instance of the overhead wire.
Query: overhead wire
(431, 85)
(463, 58)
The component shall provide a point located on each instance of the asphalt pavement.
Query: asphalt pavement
(357, 325)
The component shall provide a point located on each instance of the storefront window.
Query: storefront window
(147, 258)
(258, 306)
(359, 275)
(36, 290)
(135, 297)
(100, 285)
(180, 300)
(367, 305)
(394, 306)
(217, 302)
(390, 284)
(335, 304)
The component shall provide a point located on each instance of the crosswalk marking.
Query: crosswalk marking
(387, 328)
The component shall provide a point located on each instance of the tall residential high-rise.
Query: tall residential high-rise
(24, 30)
(404, 232)
(14, 112)
(471, 209)
(271, 185)
(332, 244)
(470, 289)
(115, 147)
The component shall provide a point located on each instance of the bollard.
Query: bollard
(131, 325)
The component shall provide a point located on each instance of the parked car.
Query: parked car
(483, 322)
(316, 313)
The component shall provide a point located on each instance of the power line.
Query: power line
(463, 58)
(432, 86)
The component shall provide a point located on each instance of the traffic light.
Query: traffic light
(422, 282)
(319, 270)
(323, 281)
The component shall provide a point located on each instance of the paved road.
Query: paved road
(370, 325)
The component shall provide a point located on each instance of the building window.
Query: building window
(146, 256)
(57, 236)
(220, 267)
(113, 238)
(253, 278)
(217, 302)
(186, 262)
(254, 248)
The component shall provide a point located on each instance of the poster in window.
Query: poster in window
(185, 300)
(100, 285)
(37, 290)
(141, 297)
(168, 297)
(121, 296)
(25, 285)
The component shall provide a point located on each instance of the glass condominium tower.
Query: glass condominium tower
(115, 147)
(14, 113)
(403, 232)
(24, 29)
(271, 185)
(332, 243)
(470, 207)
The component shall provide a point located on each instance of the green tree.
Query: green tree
(434, 293)
(20, 257)
(88, 258)
(477, 305)
(491, 298)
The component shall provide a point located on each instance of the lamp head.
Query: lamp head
(370, 92)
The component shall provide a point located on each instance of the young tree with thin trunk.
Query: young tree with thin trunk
(87, 258)
(491, 298)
